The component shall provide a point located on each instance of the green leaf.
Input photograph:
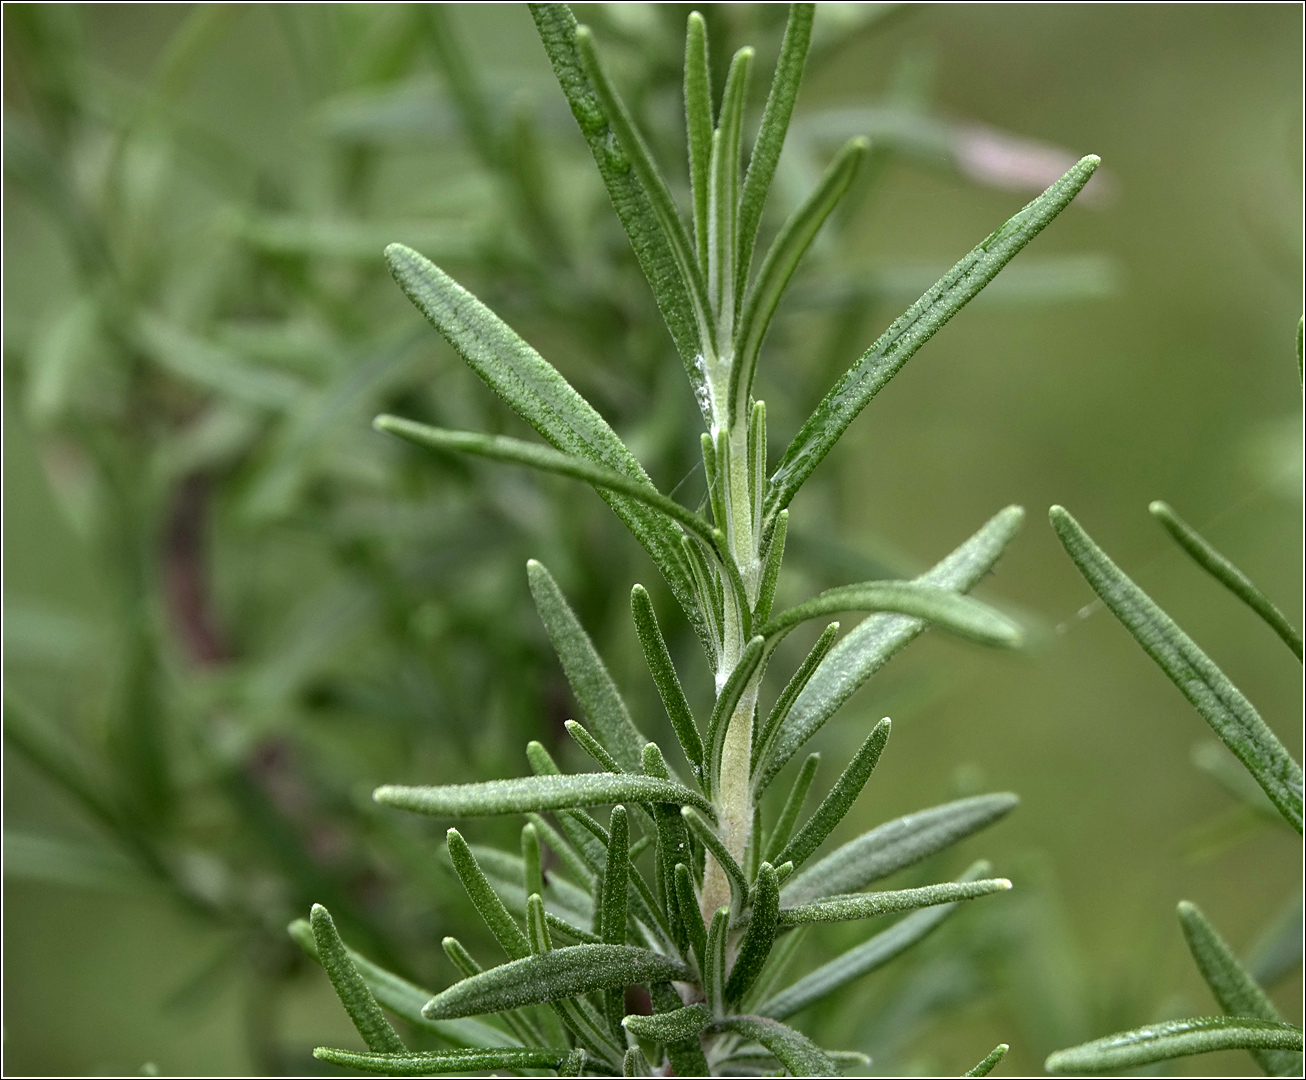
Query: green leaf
(635, 1063)
(1234, 989)
(575, 1063)
(714, 970)
(406, 999)
(350, 987)
(989, 1063)
(864, 958)
(759, 937)
(850, 907)
(537, 793)
(1227, 574)
(631, 198)
(429, 1062)
(784, 825)
(724, 709)
(778, 268)
(698, 125)
(910, 331)
(71, 863)
(487, 903)
(532, 871)
(518, 452)
(613, 907)
(940, 606)
(1175, 1038)
(535, 390)
(588, 675)
(723, 201)
(591, 746)
(690, 917)
(796, 1051)
(675, 1026)
(874, 641)
(1231, 716)
(840, 800)
(734, 874)
(537, 927)
(1278, 948)
(562, 973)
(896, 844)
(775, 718)
(771, 133)
(686, 1057)
(673, 845)
(771, 567)
(664, 676)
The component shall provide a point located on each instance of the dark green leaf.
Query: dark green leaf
(562, 973)
(532, 873)
(724, 710)
(723, 201)
(1227, 574)
(591, 746)
(796, 1051)
(871, 644)
(896, 844)
(698, 125)
(588, 675)
(1231, 716)
(759, 937)
(350, 987)
(911, 330)
(853, 906)
(784, 825)
(665, 677)
(771, 567)
(430, 1062)
(714, 971)
(775, 718)
(1175, 1038)
(615, 888)
(635, 1063)
(690, 917)
(686, 1057)
(1234, 989)
(840, 800)
(487, 903)
(989, 1063)
(675, 1026)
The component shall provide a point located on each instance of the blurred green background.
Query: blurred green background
(244, 609)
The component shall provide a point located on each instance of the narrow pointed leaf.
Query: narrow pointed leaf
(874, 641)
(793, 1049)
(689, 914)
(686, 1056)
(1175, 1038)
(1278, 948)
(910, 331)
(591, 746)
(939, 606)
(897, 844)
(778, 268)
(615, 888)
(698, 126)
(1234, 989)
(432, 1062)
(635, 1063)
(588, 675)
(759, 937)
(665, 677)
(562, 973)
(1231, 716)
(486, 901)
(630, 197)
(771, 133)
(714, 971)
(840, 800)
(723, 200)
(545, 459)
(853, 906)
(1227, 574)
(673, 843)
(350, 986)
(724, 710)
(537, 926)
(776, 717)
(771, 567)
(864, 958)
(787, 947)
(709, 839)
(989, 1063)
(537, 793)
(784, 825)
(675, 1026)
(538, 393)
(532, 872)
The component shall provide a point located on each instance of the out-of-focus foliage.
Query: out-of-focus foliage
(284, 609)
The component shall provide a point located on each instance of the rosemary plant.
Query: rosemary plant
(708, 918)
(1249, 1019)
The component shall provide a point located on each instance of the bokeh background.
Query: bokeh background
(230, 609)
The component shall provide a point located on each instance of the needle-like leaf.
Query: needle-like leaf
(1175, 1038)
(594, 687)
(546, 459)
(989, 1063)
(690, 917)
(840, 800)
(910, 331)
(675, 1026)
(1227, 574)
(532, 873)
(432, 1062)
(714, 971)
(1231, 716)
(635, 1063)
(592, 746)
(874, 641)
(723, 201)
(784, 824)
(686, 1056)
(1234, 989)
(759, 937)
(615, 888)
(698, 125)
(724, 710)
(734, 874)
(538, 393)
(771, 133)
(771, 567)
(562, 973)
(487, 903)
(781, 261)
(665, 678)
(863, 958)
(796, 1051)
(767, 731)
(896, 844)
(350, 986)
(855, 906)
